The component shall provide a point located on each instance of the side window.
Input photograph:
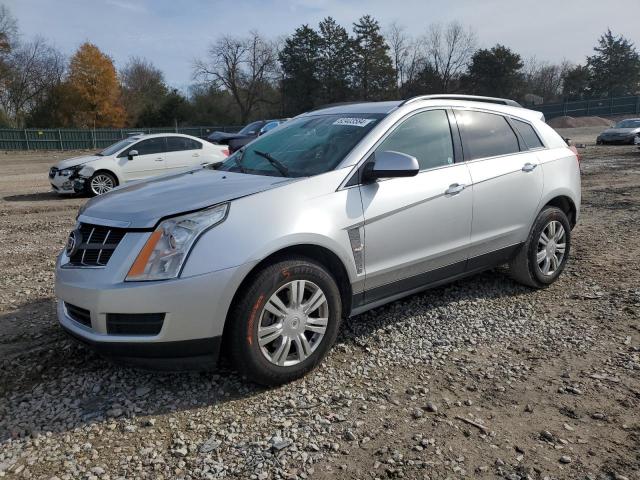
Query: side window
(178, 144)
(149, 146)
(486, 134)
(426, 136)
(528, 134)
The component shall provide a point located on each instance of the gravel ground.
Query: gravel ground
(479, 379)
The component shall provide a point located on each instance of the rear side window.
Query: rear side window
(528, 134)
(426, 136)
(486, 135)
(178, 144)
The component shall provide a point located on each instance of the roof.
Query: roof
(165, 134)
(510, 108)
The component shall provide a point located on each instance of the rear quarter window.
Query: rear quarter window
(528, 134)
(486, 135)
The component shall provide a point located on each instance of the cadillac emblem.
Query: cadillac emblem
(73, 242)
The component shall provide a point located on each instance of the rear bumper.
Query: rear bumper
(617, 140)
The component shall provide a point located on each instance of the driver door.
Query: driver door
(417, 229)
(149, 162)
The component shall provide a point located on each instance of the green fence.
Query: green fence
(77, 139)
(597, 106)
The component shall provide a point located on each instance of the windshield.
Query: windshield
(251, 128)
(303, 147)
(629, 124)
(116, 147)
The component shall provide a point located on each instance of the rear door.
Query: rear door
(417, 229)
(507, 185)
(183, 154)
(149, 161)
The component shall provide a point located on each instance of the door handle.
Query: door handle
(159, 159)
(454, 189)
(196, 155)
(529, 167)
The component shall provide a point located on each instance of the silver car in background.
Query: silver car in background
(338, 211)
(624, 132)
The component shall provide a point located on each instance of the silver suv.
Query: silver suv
(333, 213)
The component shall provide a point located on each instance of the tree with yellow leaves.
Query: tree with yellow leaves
(94, 83)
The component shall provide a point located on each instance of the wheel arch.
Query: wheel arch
(110, 172)
(323, 255)
(567, 205)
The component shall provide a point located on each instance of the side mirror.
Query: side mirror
(390, 165)
(132, 153)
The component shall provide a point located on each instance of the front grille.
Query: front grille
(134, 323)
(78, 314)
(97, 246)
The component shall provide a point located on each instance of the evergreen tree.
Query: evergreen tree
(336, 62)
(615, 67)
(576, 83)
(495, 72)
(374, 75)
(300, 59)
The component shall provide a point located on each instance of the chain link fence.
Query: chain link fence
(593, 107)
(79, 139)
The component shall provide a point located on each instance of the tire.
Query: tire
(101, 182)
(525, 268)
(253, 318)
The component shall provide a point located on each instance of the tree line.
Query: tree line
(248, 77)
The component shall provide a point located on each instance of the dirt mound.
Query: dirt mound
(577, 122)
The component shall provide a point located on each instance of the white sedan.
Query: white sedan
(134, 158)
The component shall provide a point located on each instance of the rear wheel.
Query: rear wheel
(101, 183)
(544, 255)
(286, 321)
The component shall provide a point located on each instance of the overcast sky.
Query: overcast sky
(171, 33)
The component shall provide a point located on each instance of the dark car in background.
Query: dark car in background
(251, 130)
(624, 132)
(238, 143)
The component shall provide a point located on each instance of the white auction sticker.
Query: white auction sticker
(354, 122)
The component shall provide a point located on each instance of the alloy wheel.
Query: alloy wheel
(293, 323)
(552, 245)
(101, 184)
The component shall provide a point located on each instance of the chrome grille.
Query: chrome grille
(98, 244)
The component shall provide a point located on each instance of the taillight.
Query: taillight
(575, 150)
(226, 152)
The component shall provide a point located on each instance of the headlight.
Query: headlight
(67, 172)
(166, 250)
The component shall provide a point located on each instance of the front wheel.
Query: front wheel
(286, 321)
(542, 258)
(101, 183)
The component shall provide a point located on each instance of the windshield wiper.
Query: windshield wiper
(238, 160)
(277, 164)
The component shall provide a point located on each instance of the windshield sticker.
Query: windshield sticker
(354, 122)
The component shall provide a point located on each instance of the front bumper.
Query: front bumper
(617, 139)
(194, 309)
(62, 184)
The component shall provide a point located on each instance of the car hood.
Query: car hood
(619, 131)
(72, 162)
(143, 204)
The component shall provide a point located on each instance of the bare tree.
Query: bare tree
(544, 79)
(143, 87)
(32, 70)
(449, 50)
(8, 30)
(242, 66)
(399, 45)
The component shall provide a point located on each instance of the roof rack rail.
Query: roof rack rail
(337, 104)
(470, 98)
